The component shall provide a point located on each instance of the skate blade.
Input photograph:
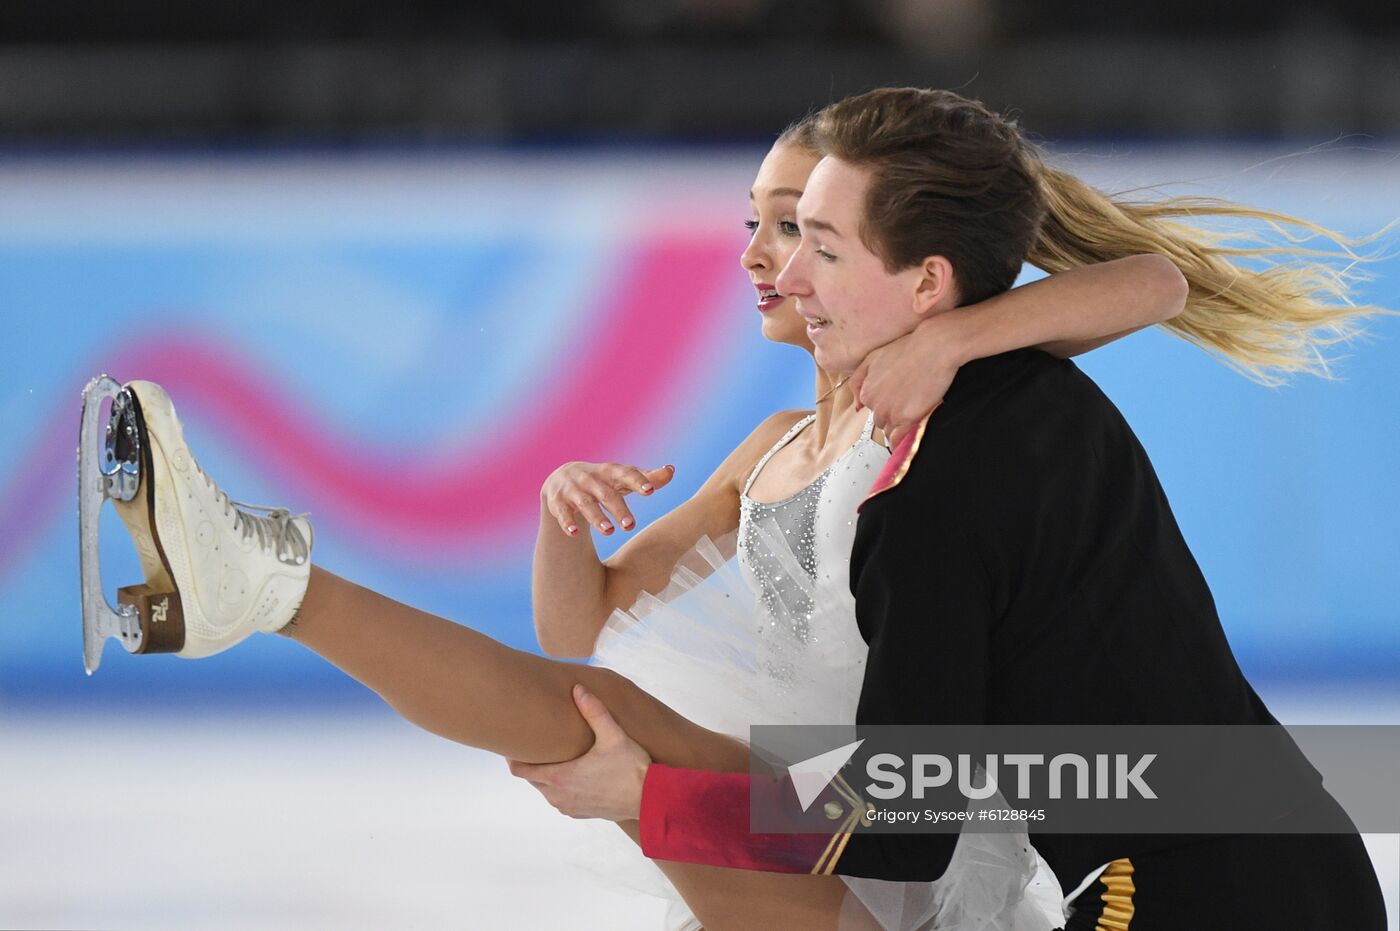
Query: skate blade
(115, 463)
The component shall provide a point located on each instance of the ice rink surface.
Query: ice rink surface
(156, 820)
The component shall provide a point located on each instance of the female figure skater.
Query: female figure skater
(791, 491)
(221, 571)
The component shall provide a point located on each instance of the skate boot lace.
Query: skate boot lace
(273, 527)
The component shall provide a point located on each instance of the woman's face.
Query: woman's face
(773, 222)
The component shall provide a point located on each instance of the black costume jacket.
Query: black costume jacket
(1018, 564)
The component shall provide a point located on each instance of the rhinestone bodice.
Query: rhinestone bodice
(797, 554)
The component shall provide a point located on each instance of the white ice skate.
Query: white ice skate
(216, 571)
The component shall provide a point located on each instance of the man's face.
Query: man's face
(851, 303)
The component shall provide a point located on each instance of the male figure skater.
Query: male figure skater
(1016, 563)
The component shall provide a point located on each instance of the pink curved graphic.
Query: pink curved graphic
(611, 389)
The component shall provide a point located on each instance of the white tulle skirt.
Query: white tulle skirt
(708, 649)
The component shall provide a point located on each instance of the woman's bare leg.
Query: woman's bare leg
(462, 685)
(465, 686)
(193, 542)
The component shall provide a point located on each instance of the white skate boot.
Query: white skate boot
(216, 571)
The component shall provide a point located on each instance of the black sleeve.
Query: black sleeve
(924, 602)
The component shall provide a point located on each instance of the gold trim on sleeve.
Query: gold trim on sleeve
(1118, 909)
(826, 863)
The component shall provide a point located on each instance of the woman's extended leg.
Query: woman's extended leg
(467, 687)
(216, 571)
(462, 685)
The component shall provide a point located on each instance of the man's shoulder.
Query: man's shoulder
(1007, 420)
(1017, 399)
(1026, 383)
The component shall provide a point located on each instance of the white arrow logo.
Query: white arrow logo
(810, 777)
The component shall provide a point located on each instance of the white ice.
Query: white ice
(321, 820)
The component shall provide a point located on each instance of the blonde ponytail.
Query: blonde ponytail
(1265, 322)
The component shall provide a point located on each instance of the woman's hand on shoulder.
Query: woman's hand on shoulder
(589, 492)
(905, 379)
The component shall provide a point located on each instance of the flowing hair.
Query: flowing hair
(1265, 321)
(949, 177)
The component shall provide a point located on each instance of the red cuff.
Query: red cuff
(698, 816)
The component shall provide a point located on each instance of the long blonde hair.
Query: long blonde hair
(950, 177)
(1265, 322)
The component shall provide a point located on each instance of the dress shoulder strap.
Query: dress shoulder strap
(869, 430)
(786, 439)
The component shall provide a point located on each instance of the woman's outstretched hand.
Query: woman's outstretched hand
(584, 491)
(905, 379)
(606, 782)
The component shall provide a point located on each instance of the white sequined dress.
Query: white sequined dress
(768, 635)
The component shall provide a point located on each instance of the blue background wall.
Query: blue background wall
(406, 345)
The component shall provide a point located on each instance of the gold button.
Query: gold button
(833, 810)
